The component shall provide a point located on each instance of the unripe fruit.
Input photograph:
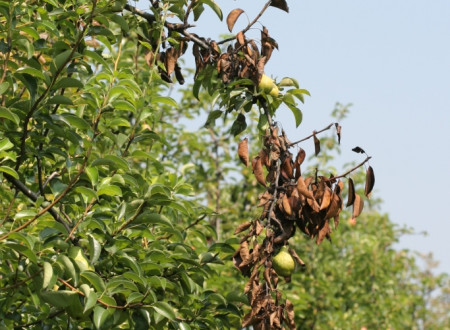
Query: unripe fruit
(283, 263)
(274, 92)
(266, 83)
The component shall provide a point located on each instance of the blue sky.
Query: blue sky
(391, 60)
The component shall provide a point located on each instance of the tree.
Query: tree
(103, 215)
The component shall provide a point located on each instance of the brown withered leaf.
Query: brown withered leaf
(265, 160)
(334, 208)
(178, 74)
(358, 206)
(267, 277)
(286, 205)
(280, 4)
(326, 198)
(242, 227)
(338, 132)
(300, 157)
(170, 60)
(290, 314)
(258, 228)
(316, 144)
(232, 18)
(243, 151)
(296, 257)
(303, 189)
(264, 198)
(324, 232)
(370, 181)
(258, 170)
(240, 37)
(351, 193)
(287, 167)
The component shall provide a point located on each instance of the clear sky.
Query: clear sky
(391, 60)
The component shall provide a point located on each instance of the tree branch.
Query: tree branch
(30, 194)
(310, 136)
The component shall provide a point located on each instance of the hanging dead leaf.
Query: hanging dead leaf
(338, 132)
(326, 199)
(280, 4)
(303, 189)
(242, 227)
(296, 257)
(357, 206)
(325, 231)
(264, 198)
(300, 157)
(286, 205)
(287, 168)
(267, 277)
(243, 151)
(370, 181)
(351, 193)
(232, 18)
(316, 144)
(290, 314)
(240, 37)
(258, 170)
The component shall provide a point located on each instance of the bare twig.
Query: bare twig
(310, 136)
(350, 170)
(136, 214)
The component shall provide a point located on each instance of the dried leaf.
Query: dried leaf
(170, 60)
(370, 181)
(338, 132)
(258, 170)
(290, 314)
(240, 37)
(300, 157)
(242, 227)
(326, 199)
(232, 18)
(243, 151)
(303, 189)
(286, 205)
(267, 277)
(324, 232)
(316, 144)
(357, 206)
(258, 228)
(287, 167)
(296, 257)
(264, 198)
(280, 4)
(351, 193)
(358, 150)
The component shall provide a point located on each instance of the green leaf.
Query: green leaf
(153, 218)
(100, 316)
(23, 250)
(48, 273)
(166, 100)
(90, 301)
(69, 268)
(214, 6)
(94, 279)
(59, 99)
(119, 20)
(10, 171)
(29, 82)
(213, 115)
(62, 58)
(67, 82)
(87, 192)
(109, 190)
(94, 249)
(164, 309)
(76, 121)
(33, 72)
(289, 82)
(98, 58)
(61, 298)
(297, 114)
(239, 125)
(7, 114)
(112, 161)
(4, 87)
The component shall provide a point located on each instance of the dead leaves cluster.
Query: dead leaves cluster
(291, 201)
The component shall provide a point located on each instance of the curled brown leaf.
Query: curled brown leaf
(243, 151)
(232, 18)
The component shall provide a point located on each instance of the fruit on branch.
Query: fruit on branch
(274, 91)
(267, 85)
(283, 263)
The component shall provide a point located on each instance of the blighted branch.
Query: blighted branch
(312, 135)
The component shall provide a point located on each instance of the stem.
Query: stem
(310, 136)
(351, 170)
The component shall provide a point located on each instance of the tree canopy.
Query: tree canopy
(114, 215)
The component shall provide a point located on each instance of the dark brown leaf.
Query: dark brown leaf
(358, 150)
(280, 4)
(300, 157)
(326, 199)
(316, 144)
(324, 232)
(240, 37)
(296, 257)
(338, 132)
(370, 181)
(243, 151)
(232, 18)
(264, 198)
(242, 227)
(286, 205)
(351, 193)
